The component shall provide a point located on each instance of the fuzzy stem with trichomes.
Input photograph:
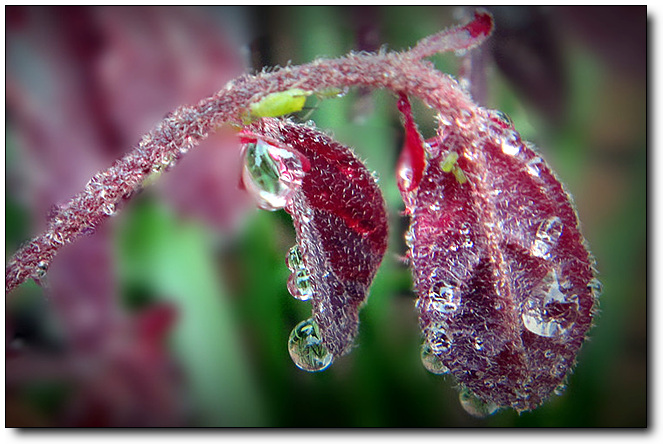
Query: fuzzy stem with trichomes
(187, 126)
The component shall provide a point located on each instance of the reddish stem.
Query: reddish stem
(189, 125)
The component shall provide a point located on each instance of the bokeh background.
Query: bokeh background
(176, 313)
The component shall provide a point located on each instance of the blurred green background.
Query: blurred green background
(235, 313)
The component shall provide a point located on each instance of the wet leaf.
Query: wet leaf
(506, 287)
(341, 225)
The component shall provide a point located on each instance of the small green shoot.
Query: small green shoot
(449, 162)
(448, 165)
(277, 104)
(460, 175)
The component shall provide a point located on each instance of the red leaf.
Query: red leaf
(341, 225)
(506, 287)
(412, 161)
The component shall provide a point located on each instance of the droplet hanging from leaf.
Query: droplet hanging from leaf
(307, 349)
(431, 361)
(271, 174)
(473, 405)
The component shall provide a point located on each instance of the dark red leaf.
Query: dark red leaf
(506, 287)
(341, 225)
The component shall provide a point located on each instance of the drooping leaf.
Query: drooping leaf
(506, 286)
(340, 221)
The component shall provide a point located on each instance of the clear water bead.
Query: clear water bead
(437, 337)
(475, 406)
(42, 268)
(299, 282)
(549, 312)
(431, 361)
(478, 343)
(306, 348)
(442, 298)
(547, 236)
(511, 143)
(500, 117)
(299, 285)
(534, 166)
(596, 287)
(560, 389)
(409, 236)
(271, 174)
(108, 209)
(294, 258)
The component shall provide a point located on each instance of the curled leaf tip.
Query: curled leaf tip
(481, 26)
(456, 39)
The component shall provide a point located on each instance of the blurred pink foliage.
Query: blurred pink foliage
(83, 84)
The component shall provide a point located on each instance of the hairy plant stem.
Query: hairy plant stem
(187, 126)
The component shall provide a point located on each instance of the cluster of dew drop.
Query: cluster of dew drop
(305, 343)
(272, 175)
(549, 311)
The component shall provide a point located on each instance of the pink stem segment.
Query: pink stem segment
(189, 125)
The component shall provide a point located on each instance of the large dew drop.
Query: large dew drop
(475, 406)
(549, 311)
(271, 174)
(306, 348)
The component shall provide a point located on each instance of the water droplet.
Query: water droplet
(475, 406)
(108, 209)
(501, 118)
(551, 229)
(294, 258)
(405, 175)
(431, 361)
(42, 268)
(306, 348)
(547, 235)
(534, 166)
(548, 311)
(559, 390)
(558, 369)
(409, 236)
(478, 343)
(340, 92)
(432, 147)
(437, 337)
(271, 174)
(299, 285)
(596, 287)
(442, 298)
(511, 143)
(375, 176)
(464, 118)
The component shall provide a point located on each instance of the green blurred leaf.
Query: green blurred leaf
(175, 259)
